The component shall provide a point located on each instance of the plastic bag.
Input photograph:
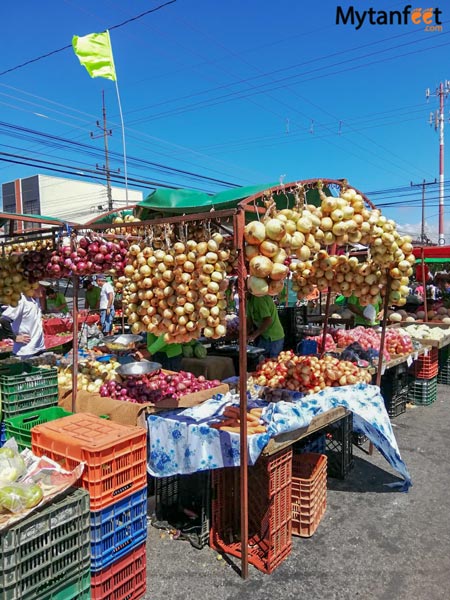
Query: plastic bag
(17, 497)
(12, 465)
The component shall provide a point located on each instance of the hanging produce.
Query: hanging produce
(13, 280)
(175, 285)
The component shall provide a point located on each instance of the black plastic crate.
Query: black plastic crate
(444, 356)
(396, 404)
(291, 318)
(395, 380)
(184, 502)
(315, 443)
(339, 447)
(444, 375)
(359, 439)
(423, 391)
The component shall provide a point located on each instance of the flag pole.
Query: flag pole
(123, 143)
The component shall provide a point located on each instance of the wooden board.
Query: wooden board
(287, 439)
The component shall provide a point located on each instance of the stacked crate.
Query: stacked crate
(444, 365)
(25, 389)
(423, 378)
(47, 555)
(115, 477)
(394, 389)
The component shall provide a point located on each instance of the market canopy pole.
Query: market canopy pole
(75, 344)
(94, 51)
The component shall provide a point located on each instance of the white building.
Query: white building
(67, 199)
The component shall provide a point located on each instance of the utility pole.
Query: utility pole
(441, 92)
(423, 237)
(105, 133)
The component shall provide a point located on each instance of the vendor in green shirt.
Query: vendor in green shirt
(168, 355)
(92, 295)
(55, 302)
(355, 307)
(264, 325)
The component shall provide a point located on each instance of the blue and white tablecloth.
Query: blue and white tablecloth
(181, 441)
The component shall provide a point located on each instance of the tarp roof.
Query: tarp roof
(183, 201)
(433, 253)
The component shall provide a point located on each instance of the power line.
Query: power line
(33, 60)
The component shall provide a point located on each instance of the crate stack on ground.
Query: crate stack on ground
(394, 389)
(115, 478)
(269, 511)
(183, 502)
(423, 373)
(47, 555)
(339, 447)
(309, 492)
(444, 365)
(25, 389)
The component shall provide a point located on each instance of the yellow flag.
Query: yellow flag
(94, 52)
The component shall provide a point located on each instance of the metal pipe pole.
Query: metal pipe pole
(424, 283)
(75, 344)
(383, 330)
(325, 322)
(441, 164)
(239, 224)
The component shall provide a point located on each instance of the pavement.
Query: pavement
(373, 543)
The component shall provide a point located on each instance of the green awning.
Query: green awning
(5, 217)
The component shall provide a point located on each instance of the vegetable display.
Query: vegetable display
(397, 341)
(92, 375)
(15, 497)
(231, 421)
(309, 374)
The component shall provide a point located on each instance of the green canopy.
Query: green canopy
(5, 217)
(183, 201)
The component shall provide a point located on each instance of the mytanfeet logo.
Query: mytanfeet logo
(430, 18)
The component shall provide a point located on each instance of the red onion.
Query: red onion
(99, 258)
(93, 248)
(83, 242)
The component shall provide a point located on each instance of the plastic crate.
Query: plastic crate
(291, 318)
(426, 367)
(2, 434)
(307, 347)
(269, 512)
(339, 447)
(78, 589)
(444, 375)
(117, 529)
(20, 427)
(395, 380)
(115, 455)
(422, 391)
(24, 388)
(180, 493)
(444, 356)
(314, 443)
(125, 579)
(359, 439)
(396, 404)
(309, 492)
(47, 549)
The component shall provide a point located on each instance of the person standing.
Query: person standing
(360, 318)
(264, 325)
(106, 304)
(26, 324)
(169, 356)
(55, 302)
(92, 295)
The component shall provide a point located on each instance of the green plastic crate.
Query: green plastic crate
(20, 427)
(78, 589)
(48, 550)
(24, 388)
(422, 391)
(444, 375)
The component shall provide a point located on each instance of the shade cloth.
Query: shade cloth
(181, 442)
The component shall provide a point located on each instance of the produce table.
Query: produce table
(445, 341)
(211, 367)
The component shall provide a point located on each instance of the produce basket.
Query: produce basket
(180, 493)
(422, 391)
(20, 427)
(117, 529)
(309, 492)
(114, 455)
(24, 388)
(270, 511)
(125, 579)
(45, 552)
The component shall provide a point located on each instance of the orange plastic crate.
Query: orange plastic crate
(426, 367)
(123, 580)
(309, 492)
(115, 455)
(269, 512)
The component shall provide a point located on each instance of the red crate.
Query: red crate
(426, 367)
(309, 492)
(270, 511)
(123, 580)
(114, 455)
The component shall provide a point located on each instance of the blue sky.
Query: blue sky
(238, 91)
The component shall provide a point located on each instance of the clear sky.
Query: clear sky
(240, 91)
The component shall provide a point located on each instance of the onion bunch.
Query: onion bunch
(13, 282)
(179, 291)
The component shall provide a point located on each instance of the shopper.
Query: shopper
(55, 302)
(169, 356)
(26, 324)
(264, 325)
(106, 304)
(92, 295)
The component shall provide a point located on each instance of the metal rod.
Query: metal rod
(239, 224)
(325, 321)
(383, 329)
(424, 284)
(75, 344)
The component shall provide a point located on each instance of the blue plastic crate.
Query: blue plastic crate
(2, 433)
(307, 347)
(117, 529)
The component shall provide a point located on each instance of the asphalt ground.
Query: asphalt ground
(372, 543)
